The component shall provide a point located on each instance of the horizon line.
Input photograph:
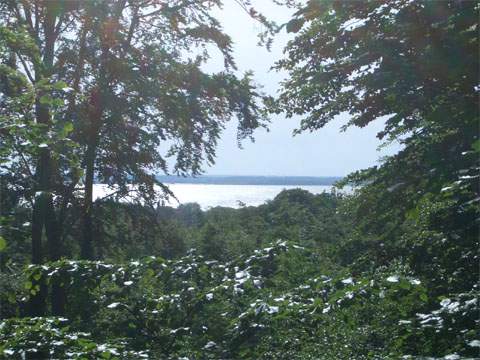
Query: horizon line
(227, 175)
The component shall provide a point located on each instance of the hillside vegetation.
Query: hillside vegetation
(115, 91)
(273, 304)
(245, 292)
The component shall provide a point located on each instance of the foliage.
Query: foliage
(109, 91)
(126, 230)
(92, 89)
(270, 304)
(414, 66)
(413, 62)
(51, 337)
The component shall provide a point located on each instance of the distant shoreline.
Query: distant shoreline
(250, 180)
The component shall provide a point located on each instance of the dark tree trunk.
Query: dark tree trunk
(87, 231)
(44, 216)
(96, 107)
(96, 112)
(37, 304)
(55, 250)
(95, 121)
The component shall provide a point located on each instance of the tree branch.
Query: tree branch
(79, 68)
(25, 67)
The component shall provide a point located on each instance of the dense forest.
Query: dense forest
(115, 90)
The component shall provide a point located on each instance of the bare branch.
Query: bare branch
(25, 67)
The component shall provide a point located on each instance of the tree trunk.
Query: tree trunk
(87, 231)
(43, 211)
(55, 250)
(96, 107)
(37, 304)
(87, 249)
(95, 121)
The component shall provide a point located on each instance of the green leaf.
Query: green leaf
(295, 25)
(45, 100)
(57, 102)
(150, 273)
(11, 298)
(59, 85)
(476, 146)
(3, 243)
(67, 129)
(106, 355)
(404, 284)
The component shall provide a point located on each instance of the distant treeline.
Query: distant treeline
(251, 180)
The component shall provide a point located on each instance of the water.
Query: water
(211, 195)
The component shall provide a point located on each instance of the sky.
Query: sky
(326, 152)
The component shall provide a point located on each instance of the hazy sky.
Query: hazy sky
(325, 152)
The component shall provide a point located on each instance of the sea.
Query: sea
(233, 192)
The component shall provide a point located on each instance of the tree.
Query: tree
(414, 65)
(190, 215)
(108, 90)
(149, 92)
(30, 128)
(212, 243)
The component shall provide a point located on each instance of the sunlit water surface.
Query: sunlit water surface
(211, 195)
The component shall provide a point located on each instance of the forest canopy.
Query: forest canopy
(107, 91)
